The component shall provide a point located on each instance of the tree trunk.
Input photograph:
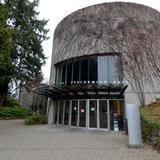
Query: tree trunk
(3, 93)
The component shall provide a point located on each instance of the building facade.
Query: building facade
(88, 86)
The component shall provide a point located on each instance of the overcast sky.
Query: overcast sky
(56, 10)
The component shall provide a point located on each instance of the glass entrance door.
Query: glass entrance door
(82, 113)
(66, 113)
(74, 113)
(93, 114)
(103, 114)
(61, 112)
(116, 114)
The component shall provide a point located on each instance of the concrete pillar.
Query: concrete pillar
(98, 113)
(87, 113)
(50, 112)
(134, 126)
(70, 112)
(78, 114)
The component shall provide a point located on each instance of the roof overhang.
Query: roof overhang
(79, 91)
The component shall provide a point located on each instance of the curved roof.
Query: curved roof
(92, 29)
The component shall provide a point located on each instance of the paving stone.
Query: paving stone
(48, 142)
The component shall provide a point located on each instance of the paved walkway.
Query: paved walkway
(47, 142)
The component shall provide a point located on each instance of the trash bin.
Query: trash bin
(125, 126)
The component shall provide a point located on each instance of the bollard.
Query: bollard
(134, 126)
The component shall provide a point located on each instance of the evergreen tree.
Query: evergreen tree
(6, 46)
(27, 57)
(28, 54)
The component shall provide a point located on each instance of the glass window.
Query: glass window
(103, 69)
(59, 75)
(69, 73)
(113, 69)
(63, 74)
(76, 74)
(108, 69)
(84, 71)
(93, 70)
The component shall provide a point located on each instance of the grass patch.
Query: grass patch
(13, 112)
(36, 119)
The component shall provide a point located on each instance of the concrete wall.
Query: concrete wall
(131, 96)
(26, 99)
(93, 30)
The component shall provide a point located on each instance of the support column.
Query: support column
(70, 112)
(63, 112)
(50, 112)
(108, 111)
(78, 115)
(54, 112)
(58, 112)
(98, 113)
(87, 113)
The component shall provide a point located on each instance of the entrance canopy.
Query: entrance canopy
(81, 91)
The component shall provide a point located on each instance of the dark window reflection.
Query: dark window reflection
(93, 114)
(76, 74)
(74, 113)
(55, 113)
(84, 71)
(66, 114)
(69, 73)
(59, 75)
(93, 70)
(103, 114)
(82, 114)
(116, 114)
(102, 69)
(61, 112)
(63, 74)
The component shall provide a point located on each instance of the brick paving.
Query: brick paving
(48, 142)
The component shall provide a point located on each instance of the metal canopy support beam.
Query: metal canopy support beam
(87, 91)
(71, 90)
(123, 89)
(61, 91)
(95, 89)
(43, 93)
(82, 90)
(89, 96)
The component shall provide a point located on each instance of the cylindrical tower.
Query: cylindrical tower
(96, 49)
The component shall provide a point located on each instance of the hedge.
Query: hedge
(13, 112)
(36, 119)
(150, 117)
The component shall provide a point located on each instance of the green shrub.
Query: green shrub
(151, 117)
(36, 119)
(12, 102)
(13, 112)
